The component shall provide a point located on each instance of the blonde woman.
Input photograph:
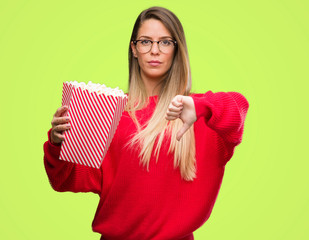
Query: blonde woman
(164, 168)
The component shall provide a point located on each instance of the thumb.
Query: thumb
(182, 131)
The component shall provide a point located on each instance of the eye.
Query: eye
(145, 42)
(166, 43)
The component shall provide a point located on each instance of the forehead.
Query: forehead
(153, 28)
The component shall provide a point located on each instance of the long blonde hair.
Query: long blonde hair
(176, 82)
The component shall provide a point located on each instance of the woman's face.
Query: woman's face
(153, 29)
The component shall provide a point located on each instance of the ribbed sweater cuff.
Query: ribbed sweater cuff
(202, 107)
(53, 149)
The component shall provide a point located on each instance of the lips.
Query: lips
(154, 63)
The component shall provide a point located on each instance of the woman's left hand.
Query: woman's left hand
(182, 107)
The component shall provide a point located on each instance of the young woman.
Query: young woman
(162, 173)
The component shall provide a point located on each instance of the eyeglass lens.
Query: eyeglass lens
(145, 46)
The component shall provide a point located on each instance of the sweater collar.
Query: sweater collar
(153, 97)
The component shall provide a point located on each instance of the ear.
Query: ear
(133, 49)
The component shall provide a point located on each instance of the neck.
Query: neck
(152, 85)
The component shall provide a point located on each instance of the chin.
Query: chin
(156, 74)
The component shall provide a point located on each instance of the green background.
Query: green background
(259, 48)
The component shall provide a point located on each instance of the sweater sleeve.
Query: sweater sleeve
(224, 112)
(66, 176)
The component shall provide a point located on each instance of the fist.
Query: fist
(59, 124)
(182, 107)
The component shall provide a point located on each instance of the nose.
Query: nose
(155, 48)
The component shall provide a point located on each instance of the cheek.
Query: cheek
(169, 61)
(140, 61)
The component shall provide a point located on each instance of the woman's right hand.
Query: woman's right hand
(59, 125)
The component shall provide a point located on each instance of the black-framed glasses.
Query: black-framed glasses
(145, 45)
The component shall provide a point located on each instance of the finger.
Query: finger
(182, 131)
(173, 114)
(180, 99)
(173, 108)
(171, 118)
(176, 103)
(62, 127)
(60, 111)
(60, 120)
(59, 136)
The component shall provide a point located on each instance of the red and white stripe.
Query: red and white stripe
(94, 120)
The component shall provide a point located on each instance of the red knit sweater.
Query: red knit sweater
(156, 205)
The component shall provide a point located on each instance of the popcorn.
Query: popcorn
(98, 88)
(95, 111)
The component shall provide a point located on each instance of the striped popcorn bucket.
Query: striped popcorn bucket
(94, 120)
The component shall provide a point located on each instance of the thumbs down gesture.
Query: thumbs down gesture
(182, 107)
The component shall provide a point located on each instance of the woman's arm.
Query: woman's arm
(224, 112)
(66, 176)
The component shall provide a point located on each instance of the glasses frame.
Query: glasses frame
(136, 41)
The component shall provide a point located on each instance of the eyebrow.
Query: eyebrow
(159, 38)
